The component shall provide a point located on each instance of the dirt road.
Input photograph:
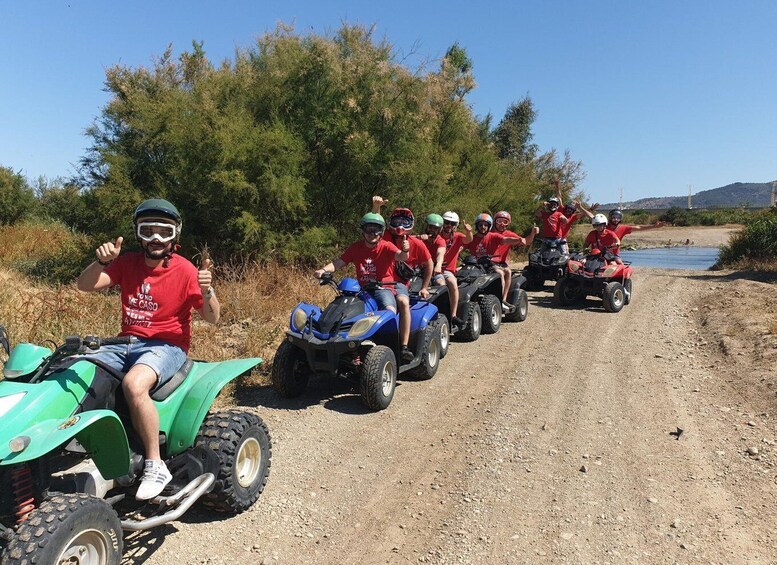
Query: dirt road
(548, 442)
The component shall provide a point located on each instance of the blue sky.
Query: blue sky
(651, 96)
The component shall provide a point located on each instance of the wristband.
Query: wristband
(106, 263)
(210, 294)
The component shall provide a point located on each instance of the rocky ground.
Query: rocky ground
(576, 436)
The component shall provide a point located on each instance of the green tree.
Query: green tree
(17, 199)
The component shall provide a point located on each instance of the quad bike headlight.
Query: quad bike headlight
(8, 402)
(573, 267)
(362, 326)
(299, 319)
(609, 271)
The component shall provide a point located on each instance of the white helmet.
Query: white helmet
(599, 219)
(451, 217)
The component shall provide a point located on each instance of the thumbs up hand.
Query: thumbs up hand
(108, 251)
(204, 276)
(405, 244)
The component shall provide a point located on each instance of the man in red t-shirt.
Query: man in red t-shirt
(622, 230)
(552, 218)
(485, 243)
(159, 289)
(603, 239)
(454, 241)
(374, 259)
(502, 221)
(400, 225)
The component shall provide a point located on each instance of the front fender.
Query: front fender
(199, 399)
(100, 432)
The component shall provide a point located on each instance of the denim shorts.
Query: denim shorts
(163, 358)
(385, 299)
(438, 279)
(402, 290)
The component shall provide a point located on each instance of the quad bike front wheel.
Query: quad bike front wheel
(473, 320)
(614, 297)
(65, 529)
(520, 300)
(379, 377)
(627, 290)
(565, 292)
(242, 443)
(290, 373)
(431, 354)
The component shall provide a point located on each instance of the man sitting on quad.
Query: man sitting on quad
(502, 221)
(374, 259)
(603, 239)
(485, 243)
(401, 223)
(454, 241)
(552, 218)
(159, 289)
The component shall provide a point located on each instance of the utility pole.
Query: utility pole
(690, 186)
(620, 198)
(774, 193)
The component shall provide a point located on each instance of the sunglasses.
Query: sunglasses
(156, 231)
(372, 230)
(447, 223)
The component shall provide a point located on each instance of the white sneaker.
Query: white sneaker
(507, 306)
(155, 479)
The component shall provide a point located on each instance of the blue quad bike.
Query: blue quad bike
(480, 298)
(351, 338)
(70, 459)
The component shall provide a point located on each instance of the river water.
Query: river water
(680, 257)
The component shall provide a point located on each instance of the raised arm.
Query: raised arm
(211, 308)
(93, 277)
(468, 235)
(377, 203)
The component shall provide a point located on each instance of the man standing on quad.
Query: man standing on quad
(622, 230)
(374, 259)
(603, 239)
(401, 224)
(502, 221)
(159, 289)
(486, 242)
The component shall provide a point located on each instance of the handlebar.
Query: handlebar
(78, 344)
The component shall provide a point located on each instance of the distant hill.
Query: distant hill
(747, 194)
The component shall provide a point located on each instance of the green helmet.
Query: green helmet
(434, 220)
(156, 207)
(372, 219)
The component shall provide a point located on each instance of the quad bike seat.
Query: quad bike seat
(159, 392)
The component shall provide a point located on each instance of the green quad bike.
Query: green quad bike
(70, 459)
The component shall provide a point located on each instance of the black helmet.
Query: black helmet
(157, 207)
(616, 215)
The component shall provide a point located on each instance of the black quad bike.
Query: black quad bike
(480, 298)
(546, 263)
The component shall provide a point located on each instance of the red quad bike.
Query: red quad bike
(593, 275)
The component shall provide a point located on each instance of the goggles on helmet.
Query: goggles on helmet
(156, 231)
(401, 222)
(502, 221)
(372, 229)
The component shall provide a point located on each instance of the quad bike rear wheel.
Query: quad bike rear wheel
(445, 333)
(242, 443)
(379, 377)
(67, 528)
(473, 321)
(290, 372)
(520, 300)
(614, 297)
(430, 356)
(491, 309)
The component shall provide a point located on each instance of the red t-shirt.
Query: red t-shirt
(502, 250)
(565, 228)
(432, 245)
(417, 255)
(620, 230)
(452, 250)
(485, 245)
(552, 224)
(156, 302)
(372, 264)
(602, 241)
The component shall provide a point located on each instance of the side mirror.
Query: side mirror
(4, 341)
